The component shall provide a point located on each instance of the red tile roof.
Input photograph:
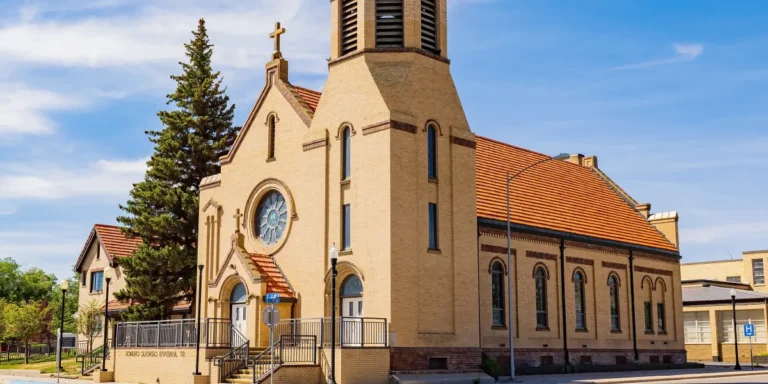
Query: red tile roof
(312, 98)
(276, 281)
(115, 242)
(557, 195)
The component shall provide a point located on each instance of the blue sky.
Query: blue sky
(671, 96)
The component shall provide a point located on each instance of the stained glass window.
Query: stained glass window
(541, 298)
(271, 218)
(581, 317)
(497, 294)
(352, 287)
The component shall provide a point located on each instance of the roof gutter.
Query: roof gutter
(498, 224)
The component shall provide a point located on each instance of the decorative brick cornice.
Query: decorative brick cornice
(541, 255)
(496, 249)
(463, 142)
(608, 264)
(580, 260)
(393, 124)
(315, 144)
(653, 270)
(647, 256)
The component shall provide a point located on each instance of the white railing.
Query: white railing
(156, 334)
(358, 332)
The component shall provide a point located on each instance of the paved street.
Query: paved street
(734, 379)
(666, 376)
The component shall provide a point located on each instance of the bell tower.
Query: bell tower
(366, 25)
(400, 171)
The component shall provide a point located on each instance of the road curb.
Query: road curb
(653, 379)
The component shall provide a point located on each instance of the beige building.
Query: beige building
(383, 167)
(708, 311)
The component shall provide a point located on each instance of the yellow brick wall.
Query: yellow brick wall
(716, 270)
(90, 264)
(728, 350)
(699, 352)
(293, 375)
(169, 366)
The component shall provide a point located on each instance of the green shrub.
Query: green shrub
(490, 366)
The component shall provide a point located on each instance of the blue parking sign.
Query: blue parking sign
(272, 298)
(749, 330)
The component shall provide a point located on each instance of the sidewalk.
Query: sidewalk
(5, 379)
(640, 376)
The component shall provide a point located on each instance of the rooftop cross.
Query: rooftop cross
(276, 36)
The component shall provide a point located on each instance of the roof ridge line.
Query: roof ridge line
(290, 286)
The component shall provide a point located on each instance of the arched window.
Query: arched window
(540, 279)
(352, 287)
(613, 287)
(271, 150)
(432, 151)
(346, 159)
(239, 294)
(647, 287)
(389, 23)
(661, 312)
(497, 293)
(580, 307)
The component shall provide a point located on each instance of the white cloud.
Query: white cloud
(104, 178)
(719, 232)
(23, 110)
(683, 52)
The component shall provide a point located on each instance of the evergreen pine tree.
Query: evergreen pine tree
(163, 209)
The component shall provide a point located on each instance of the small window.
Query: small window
(271, 150)
(733, 279)
(429, 30)
(648, 316)
(346, 159)
(438, 363)
(346, 223)
(432, 152)
(540, 280)
(433, 240)
(758, 276)
(83, 277)
(497, 294)
(97, 281)
(613, 286)
(389, 23)
(580, 307)
(661, 323)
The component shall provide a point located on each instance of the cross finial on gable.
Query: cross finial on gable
(237, 217)
(276, 36)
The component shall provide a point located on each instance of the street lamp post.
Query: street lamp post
(735, 331)
(199, 306)
(107, 279)
(64, 286)
(510, 177)
(334, 254)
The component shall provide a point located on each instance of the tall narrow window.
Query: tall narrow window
(661, 315)
(389, 23)
(271, 150)
(758, 275)
(348, 26)
(497, 294)
(648, 316)
(578, 291)
(613, 286)
(346, 224)
(433, 240)
(346, 155)
(540, 280)
(429, 30)
(432, 152)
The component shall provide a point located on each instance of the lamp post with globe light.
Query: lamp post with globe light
(334, 255)
(64, 287)
(107, 280)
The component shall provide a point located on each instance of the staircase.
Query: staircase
(289, 351)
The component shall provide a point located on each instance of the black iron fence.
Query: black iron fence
(289, 350)
(236, 359)
(32, 352)
(351, 332)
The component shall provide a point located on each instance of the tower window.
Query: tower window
(433, 244)
(346, 155)
(429, 26)
(389, 23)
(346, 222)
(431, 152)
(348, 26)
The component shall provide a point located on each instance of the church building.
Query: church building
(384, 168)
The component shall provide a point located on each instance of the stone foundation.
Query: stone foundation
(103, 376)
(425, 359)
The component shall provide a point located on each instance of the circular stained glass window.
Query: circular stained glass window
(271, 218)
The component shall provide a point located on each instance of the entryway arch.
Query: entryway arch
(238, 308)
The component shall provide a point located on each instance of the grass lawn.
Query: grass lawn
(45, 366)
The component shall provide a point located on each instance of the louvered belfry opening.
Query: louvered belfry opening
(348, 26)
(389, 23)
(429, 26)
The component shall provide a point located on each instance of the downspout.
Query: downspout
(479, 326)
(632, 299)
(562, 302)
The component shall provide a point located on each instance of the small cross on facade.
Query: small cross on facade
(237, 217)
(276, 36)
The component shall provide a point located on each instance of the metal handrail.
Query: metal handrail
(293, 350)
(236, 359)
(352, 332)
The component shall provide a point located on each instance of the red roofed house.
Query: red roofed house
(105, 245)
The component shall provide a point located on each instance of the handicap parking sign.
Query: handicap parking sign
(272, 298)
(749, 330)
